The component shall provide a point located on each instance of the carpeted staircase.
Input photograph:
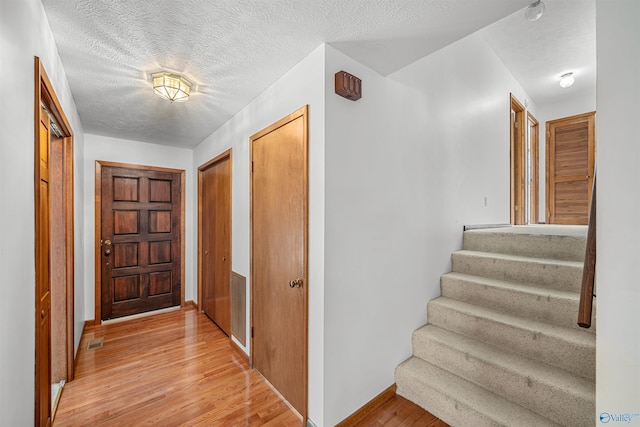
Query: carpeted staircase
(502, 347)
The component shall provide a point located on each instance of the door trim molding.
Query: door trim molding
(304, 113)
(534, 146)
(225, 155)
(518, 162)
(44, 94)
(98, 222)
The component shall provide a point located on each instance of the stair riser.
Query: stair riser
(569, 248)
(458, 402)
(550, 309)
(538, 346)
(561, 277)
(547, 400)
(440, 405)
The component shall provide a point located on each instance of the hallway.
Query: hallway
(171, 369)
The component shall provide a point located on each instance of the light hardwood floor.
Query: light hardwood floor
(170, 369)
(398, 411)
(178, 369)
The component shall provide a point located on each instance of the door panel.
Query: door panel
(215, 191)
(43, 279)
(279, 256)
(140, 260)
(570, 163)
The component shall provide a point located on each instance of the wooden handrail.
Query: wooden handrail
(588, 274)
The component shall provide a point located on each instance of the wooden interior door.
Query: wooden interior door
(54, 255)
(140, 240)
(570, 168)
(215, 229)
(43, 276)
(518, 163)
(279, 198)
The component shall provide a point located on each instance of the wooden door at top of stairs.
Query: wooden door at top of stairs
(570, 168)
(140, 240)
(279, 200)
(215, 229)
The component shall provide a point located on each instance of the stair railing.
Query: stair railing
(588, 274)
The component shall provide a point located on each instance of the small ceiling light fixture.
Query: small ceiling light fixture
(566, 80)
(171, 87)
(534, 10)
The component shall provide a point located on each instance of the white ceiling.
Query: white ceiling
(537, 53)
(234, 49)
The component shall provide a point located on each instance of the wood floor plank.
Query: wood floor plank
(170, 369)
(398, 411)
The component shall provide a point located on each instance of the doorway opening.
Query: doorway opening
(524, 137)
(54, 255)
(518, 162)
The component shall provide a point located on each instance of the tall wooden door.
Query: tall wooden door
(53, 190)
(570, 168)
(43, 276)
(279, 199)
(140, 242)
(215, 229)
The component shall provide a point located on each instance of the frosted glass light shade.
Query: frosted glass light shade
(534, 10)
(567, 80)
(171, 87)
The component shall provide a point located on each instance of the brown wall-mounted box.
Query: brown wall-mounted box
(348, 86)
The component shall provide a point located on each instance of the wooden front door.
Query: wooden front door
(279, 197)
(215, 230)
(570, 168)
(140, 240)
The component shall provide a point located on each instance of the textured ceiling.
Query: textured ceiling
(232, 50)
(539, 52)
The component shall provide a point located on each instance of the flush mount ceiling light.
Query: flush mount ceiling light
(171, 87)
(534, 10)
(566, 80)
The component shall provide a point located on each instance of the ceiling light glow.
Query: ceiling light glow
(171, 87)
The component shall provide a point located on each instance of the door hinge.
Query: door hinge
(252, 166)
(515, 208)
(252, 332)
(515, 125)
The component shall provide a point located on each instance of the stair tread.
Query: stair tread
(516, 286)
(559, 231)
(521, 258)
(512, 362)
(492, 406)
(579, 337)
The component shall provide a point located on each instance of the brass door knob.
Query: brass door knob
(295, 283)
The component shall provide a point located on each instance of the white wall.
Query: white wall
(304, 84)
(141, 153)
(25, 32)
(406, 167)
(618, 240)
